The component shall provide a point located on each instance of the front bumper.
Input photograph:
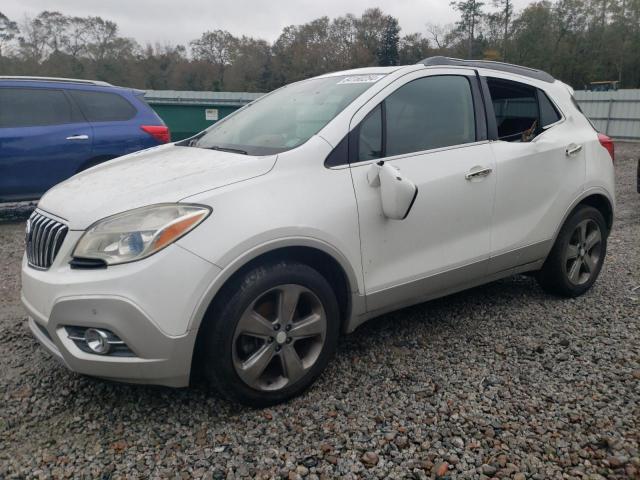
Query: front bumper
(148, 304)
(157, 359)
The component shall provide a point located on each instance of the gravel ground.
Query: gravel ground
(502, 381)
(16, 211)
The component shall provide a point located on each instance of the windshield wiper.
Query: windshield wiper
(227, 149)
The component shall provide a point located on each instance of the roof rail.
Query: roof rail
(54, 79)
(501, 66)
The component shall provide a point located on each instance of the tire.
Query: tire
(250, 323)
(575, 261)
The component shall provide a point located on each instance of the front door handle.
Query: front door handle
(78, 137)
(478, 172)
(572, 149)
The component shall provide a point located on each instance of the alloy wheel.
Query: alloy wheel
(583, 252)
(279, 337)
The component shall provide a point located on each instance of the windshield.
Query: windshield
(286, 118)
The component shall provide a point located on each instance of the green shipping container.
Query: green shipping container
(187, 113)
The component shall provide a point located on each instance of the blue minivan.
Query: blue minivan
(53, 128)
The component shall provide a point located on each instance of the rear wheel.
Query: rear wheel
(576, 259)
(271, 333)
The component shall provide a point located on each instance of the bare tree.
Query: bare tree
(471, 13)
(8, 32)
(101, 37)
(440, 34)
(77, 37)
(506, 13)
(54, 25)
(380, 34)
(413, 48)
(217, 47)
(588, 40)
(33, 39)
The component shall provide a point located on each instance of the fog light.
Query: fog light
(97, 341)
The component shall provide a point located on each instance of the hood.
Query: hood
(167, 173)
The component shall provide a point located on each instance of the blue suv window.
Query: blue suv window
(31, 107)
(103, 106)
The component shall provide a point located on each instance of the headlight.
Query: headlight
(138, 233)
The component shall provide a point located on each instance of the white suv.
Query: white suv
(245, 251)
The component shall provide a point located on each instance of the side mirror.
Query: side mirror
(397, 192)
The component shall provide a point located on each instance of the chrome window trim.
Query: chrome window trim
(416, 154)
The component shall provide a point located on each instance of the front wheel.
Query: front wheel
(271, 333)
(576, 258)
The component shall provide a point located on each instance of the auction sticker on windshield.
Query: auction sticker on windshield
(360, 79)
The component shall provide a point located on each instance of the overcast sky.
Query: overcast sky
(179, 21)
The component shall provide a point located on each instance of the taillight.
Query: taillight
(159, 132)
(607, 143)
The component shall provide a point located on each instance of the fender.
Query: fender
(358, 306)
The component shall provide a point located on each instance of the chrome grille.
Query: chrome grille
(44, 238)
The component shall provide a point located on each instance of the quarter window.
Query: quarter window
(103, 106)
(431, 112)
(31, 107)
(370, 138)
(548, 112)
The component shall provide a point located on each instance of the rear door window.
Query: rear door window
(32, 107)
(103, 106)
(516, 109)
(522, 111)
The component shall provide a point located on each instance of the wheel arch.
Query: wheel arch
(597, 198)
(328, 261)
(554, 277)
(601, 203)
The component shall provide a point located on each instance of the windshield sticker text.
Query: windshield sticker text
(360, 79)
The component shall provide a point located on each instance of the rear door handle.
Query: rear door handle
(478, 172)
(572, 149)
(78, 137)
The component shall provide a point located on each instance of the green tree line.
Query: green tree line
(577, 41)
